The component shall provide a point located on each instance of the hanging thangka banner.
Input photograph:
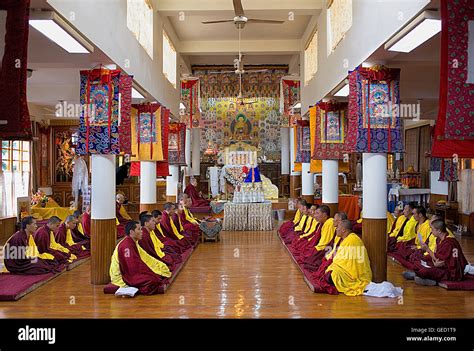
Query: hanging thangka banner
(14, 116)
(99, 120)
(454, 128)
(374, 97)
(331, 139)
(146, 132)
(126, 83)
(176, 144)
(190, 100)
(289, 96)
(303, 142)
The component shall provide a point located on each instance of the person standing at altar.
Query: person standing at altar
(195, 195)
(121, 214)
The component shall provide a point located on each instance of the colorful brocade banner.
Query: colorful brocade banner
(374, 122)
(125, 136)
(303, 142)
(191, 101)
(176, 144)
(146, 132)
(289, 95)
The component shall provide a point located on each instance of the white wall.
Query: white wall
(104, 23)
(374, 22)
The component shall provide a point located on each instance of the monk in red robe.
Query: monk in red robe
(46, 242)
(86, 222)
(306, 217)
(22, 256)
(422, 228)
(196, 197)
(132, 266)
(121, 214)
(169, 227)
(151, 243)
(169, 242)
(189, 223)
(78, 234)
(65, 238)
(290, 225)
(447, 263)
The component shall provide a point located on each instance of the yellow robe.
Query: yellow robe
(70, 240)
(297, 217)
(409, 231)
(350, 268)
(189, 216)
(299, 227)
(425, 230)
(399, 223)
(175, 230)
(432, 241)
(53, 244)
(311, 230)
(327, 234)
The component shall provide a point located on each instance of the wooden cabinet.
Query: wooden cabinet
(7, 228)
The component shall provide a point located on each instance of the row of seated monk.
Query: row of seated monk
(337, 259)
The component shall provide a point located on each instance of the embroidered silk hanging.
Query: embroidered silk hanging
(190, 100)
(126, 82)
(303, 142)
(176, 143)
(146, 132)
(162, 167)
(99, 120)
(13, 72)
(290, 95)
(373, 109)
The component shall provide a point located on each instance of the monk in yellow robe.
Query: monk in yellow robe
(121, 214)
(407, 239)
(132, 266)
(346, 269)
(288, 226)
(397, 229)
(301, 225)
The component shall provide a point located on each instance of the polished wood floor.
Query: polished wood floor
(246, 275)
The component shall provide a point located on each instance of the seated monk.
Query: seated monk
(151, 243)
(121, 214)
(196, 197)
(86, 222)
(78, 233)
(407, 239)
(305, 250)
(313, 262)
(189, 223)
(357, 227)
(301, 226)
(132, 266)
(422, 229)
(22, 256)
(447, 262)
(346, 269)
(168, 242)
(46, 242)
(307, 231)
(397, 229)
(176, 219)
(169, 228)
(64, 237)
(290, 225)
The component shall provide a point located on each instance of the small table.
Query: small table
(248, 216)
(422, 194)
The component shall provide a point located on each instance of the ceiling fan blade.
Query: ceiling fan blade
(265, 21)
(220, 21)
(238, 9)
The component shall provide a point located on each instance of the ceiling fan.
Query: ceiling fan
(240, 20)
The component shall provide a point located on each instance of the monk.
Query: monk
(86, 222)
(357, 227)
(447, 263)
(78, 233)
(46, 242)
(290, 225)
(196, 197)
(422, 230)
(22, 255)
(397, 229)
(151, 243)
(313, 262)
(346, 269)
(132, 266)
(65, 238)
(121, 214)
(301, 226)
(176, 219)
(407, 239)
(304, 231)
(189, 223)
(312, 250)
(167, 241)
(169, 228)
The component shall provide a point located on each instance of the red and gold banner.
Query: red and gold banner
(176, 144)
(146, 132)
(190, 100)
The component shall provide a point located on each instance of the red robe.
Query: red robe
(168, 242)
(187, 235)
(135, 272)
(300, 246)
(86, 224)
(168, 231)
(451, 253)
(292, 235)
(170, 258)
(19, 243)
(122, 221)
(197, 200)
(76, 249)
(42, 240)
(191, 228)
(321, 279)
(392, 241)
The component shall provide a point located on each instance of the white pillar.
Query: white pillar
(196, 152)
(307, 180)
(292, 153)
(103, 187)
(147, 182)
(172, 181)
(374, 182)
(330, 182)
(187, 152)
(285, 150)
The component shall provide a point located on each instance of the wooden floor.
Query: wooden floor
(246, 275)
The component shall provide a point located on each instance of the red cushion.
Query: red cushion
(15, 286)
(401, 260)
(110, 288)
(200, 209)
(466, 284)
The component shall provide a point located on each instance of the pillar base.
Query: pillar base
(308, 198)
(333, 207)
(103, 241)
(374, 234)
(295, 186)
(148, 207)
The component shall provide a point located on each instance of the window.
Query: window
(140, 23)
(169, 60)
(311, 58)
(340, 20)
(15, 156)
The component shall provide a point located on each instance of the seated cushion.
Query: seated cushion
(110, 288)
(15, 286)
(466, 284)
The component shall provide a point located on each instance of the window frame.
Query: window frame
(167, 38)
(313, 37)
(10, 160)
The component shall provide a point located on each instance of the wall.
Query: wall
(105, 24)
(374, 22)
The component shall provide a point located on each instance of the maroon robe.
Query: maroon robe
(86, 224)
(168, 231)
(168, 242)
(170, 258)
(122, 221)
(300, 247)
(76, 249)
(135, 272)
(187, 235)
(313, 262)
(455, 262)
(23, 265)
(42, 241)
(191, 228)
(197, 200)
(293, 235)
(321, 279)
(392, 241)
